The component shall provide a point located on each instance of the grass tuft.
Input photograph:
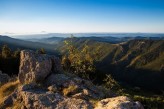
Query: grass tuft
(70, 89)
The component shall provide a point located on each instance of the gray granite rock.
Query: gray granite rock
(36, 67)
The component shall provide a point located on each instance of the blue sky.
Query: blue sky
(68, 16)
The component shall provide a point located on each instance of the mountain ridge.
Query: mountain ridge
(131, 59)
(125, 60)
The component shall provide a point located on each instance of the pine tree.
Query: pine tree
(6, 52)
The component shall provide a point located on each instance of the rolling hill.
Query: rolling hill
(139, 62)
(23, 44)
(136, 61)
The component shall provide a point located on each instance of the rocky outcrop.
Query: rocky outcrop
(73, 86)
(4, 78)
(36, 67)
(57, 90)
(51, 95)
(121, 102)
(36, 97)
(72, 103)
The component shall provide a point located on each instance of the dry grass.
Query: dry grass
(17, 105)
(70, 89)
(8, 88)
(94, 102)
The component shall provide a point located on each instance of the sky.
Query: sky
(81, 16)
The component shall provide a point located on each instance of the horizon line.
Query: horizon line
(37, 33)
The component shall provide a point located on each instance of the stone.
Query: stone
(120, 102)
(79, 96)
(58, 79)
(36, 67)
(40, 99)
(86, 92)
(73, 103)
(28, 87)
(92, 90)
(53, 88)
(43, 86)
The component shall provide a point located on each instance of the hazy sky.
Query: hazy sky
(34, 16)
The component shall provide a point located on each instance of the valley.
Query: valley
(136, 63)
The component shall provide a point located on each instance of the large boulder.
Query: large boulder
(120, 102)
(36, 67)
(73, 103)
(80, 93)
(84, 88)
(35, 97)
(40, 99)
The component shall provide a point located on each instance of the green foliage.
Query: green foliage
(136, 58)
(41, 51)
(112, 84)
(136, 63)
(16, 53)
(9, 60)
(78, 61)
(150, 102)
(6, 52)
(148, 99)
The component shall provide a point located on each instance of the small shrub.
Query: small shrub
(6, 51)
(41, 51)
(112, 84)
(78, 60)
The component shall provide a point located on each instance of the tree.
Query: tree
(16, 53)
(112, 84)
(78, 61)
(66, 63)
(6, 52)
(41, 51)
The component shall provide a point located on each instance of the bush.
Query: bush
(112, 84)
(78, 61)
(9, 61)
(41, 51)
(6, 52)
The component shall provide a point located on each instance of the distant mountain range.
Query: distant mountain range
(114, 38)
(50, 40)
(64, 35)
(14, 43)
